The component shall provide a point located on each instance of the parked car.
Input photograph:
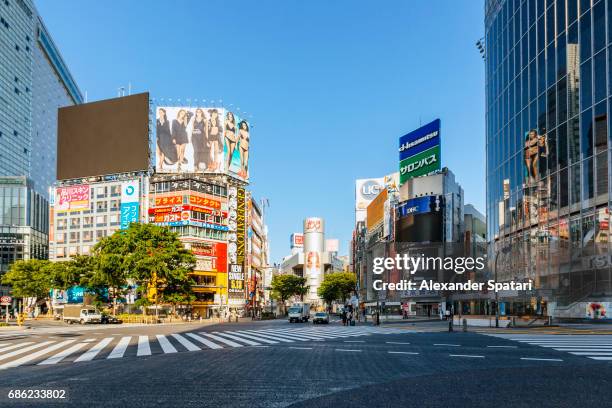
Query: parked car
(79, 313)
(320, 317)
(110, 319)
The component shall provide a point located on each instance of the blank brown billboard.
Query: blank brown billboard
(104, 137)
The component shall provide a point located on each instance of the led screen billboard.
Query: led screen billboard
(419, 151)
(104, 137)
(198, 139)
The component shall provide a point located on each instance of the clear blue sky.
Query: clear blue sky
(331, 85)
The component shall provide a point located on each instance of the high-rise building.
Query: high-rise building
(34, 83)
(547, 132)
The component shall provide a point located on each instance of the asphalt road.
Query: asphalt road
(300, 365)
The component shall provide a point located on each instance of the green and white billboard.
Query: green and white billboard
(419, 152)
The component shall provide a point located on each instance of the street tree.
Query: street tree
(285, 286)
(29, 278)
(337, 286)
(154, 258)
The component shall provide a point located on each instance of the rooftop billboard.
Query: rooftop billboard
(104, 137)
(419, 151)
(201, 140)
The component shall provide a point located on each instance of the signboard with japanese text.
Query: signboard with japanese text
(130, 203)
(236, 281)
(419, 151)
(73, 198)
(214, 254)
(240, 226)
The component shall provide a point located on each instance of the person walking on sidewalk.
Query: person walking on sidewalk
(344, 317)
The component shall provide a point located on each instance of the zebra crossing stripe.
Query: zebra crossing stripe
(267, 336)
(165, 344)
(186, 343)
(120, 348)
(302, 337)
(63, 354)
(144, 348)
(24, 350)
(245, 341)
(249, 336)
(14, 346)
(221, 339)
(34, 356)
(94, 351)
(202, 340)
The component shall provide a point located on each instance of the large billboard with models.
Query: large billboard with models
(198, 139)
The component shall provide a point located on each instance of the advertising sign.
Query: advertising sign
(332, 245)
(73, 198)
(419, 205)
(214, 252)
(313, 225)
(366, 190)
(198, 139)
(297, 240)
(240, 226)
(419, 151)
(236, 281)
(232, 215)
(130, 204)
(375, 211)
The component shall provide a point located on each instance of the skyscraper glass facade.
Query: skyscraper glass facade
(548, 88)
(34, 83)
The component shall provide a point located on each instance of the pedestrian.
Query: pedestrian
(350, 318)
(344, 316)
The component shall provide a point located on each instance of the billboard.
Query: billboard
(332, 245)
(375, 211)
(297, 240)
(236, 281)
(214, 255)
(198, 139)
(130, 203)
(73, 198)
(240, 226)
(366, 190)
(104, 137)
(232, 254)
(420, 220)
(419, 205)
(419, 151)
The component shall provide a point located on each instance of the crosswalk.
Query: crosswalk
(112, 347)
(596, 347)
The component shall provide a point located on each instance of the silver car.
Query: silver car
(320, 317)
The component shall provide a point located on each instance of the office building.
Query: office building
(547, 134)
(34, 83)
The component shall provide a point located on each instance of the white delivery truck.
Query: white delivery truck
(299, 312)
(81, 314)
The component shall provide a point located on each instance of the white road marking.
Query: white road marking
(502, 346)
(540, 359)
(266, 336)
(144, 348)
(245, 341)
(93, 352)
(221, 339)
(120, 348)
(248, 336)
(301, 348)
(25, 349)
(465, 355)
(166, 346)
(14, 346)
(202, 340)
(33, 356)
(186, 343)
(449, 345)
(354, 341)
(402, 352)
(62, 355)
(357, 351)
(395, 342)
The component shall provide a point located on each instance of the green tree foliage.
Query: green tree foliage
(29, 278)
(337, 286)
(285, 286)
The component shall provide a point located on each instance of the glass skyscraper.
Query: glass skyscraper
(548, 88)
(34, 82)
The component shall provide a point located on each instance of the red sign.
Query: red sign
(6, 300)
(313, 225)
(216, 251)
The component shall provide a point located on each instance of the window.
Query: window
(114, 205)
(74, 237)
(100, 234)
(114, 219)
(60, 237)
(101, 220)
(87, 236)
(60, 252)
(115, 191)
(101, 206)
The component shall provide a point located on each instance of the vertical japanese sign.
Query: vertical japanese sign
(240, 226)
(130, 203)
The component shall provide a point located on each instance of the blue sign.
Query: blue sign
(75, 294)
(419, 140)
(194, 223)
(419, 205)
(129, 214)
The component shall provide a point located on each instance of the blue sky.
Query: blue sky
(330, 85)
